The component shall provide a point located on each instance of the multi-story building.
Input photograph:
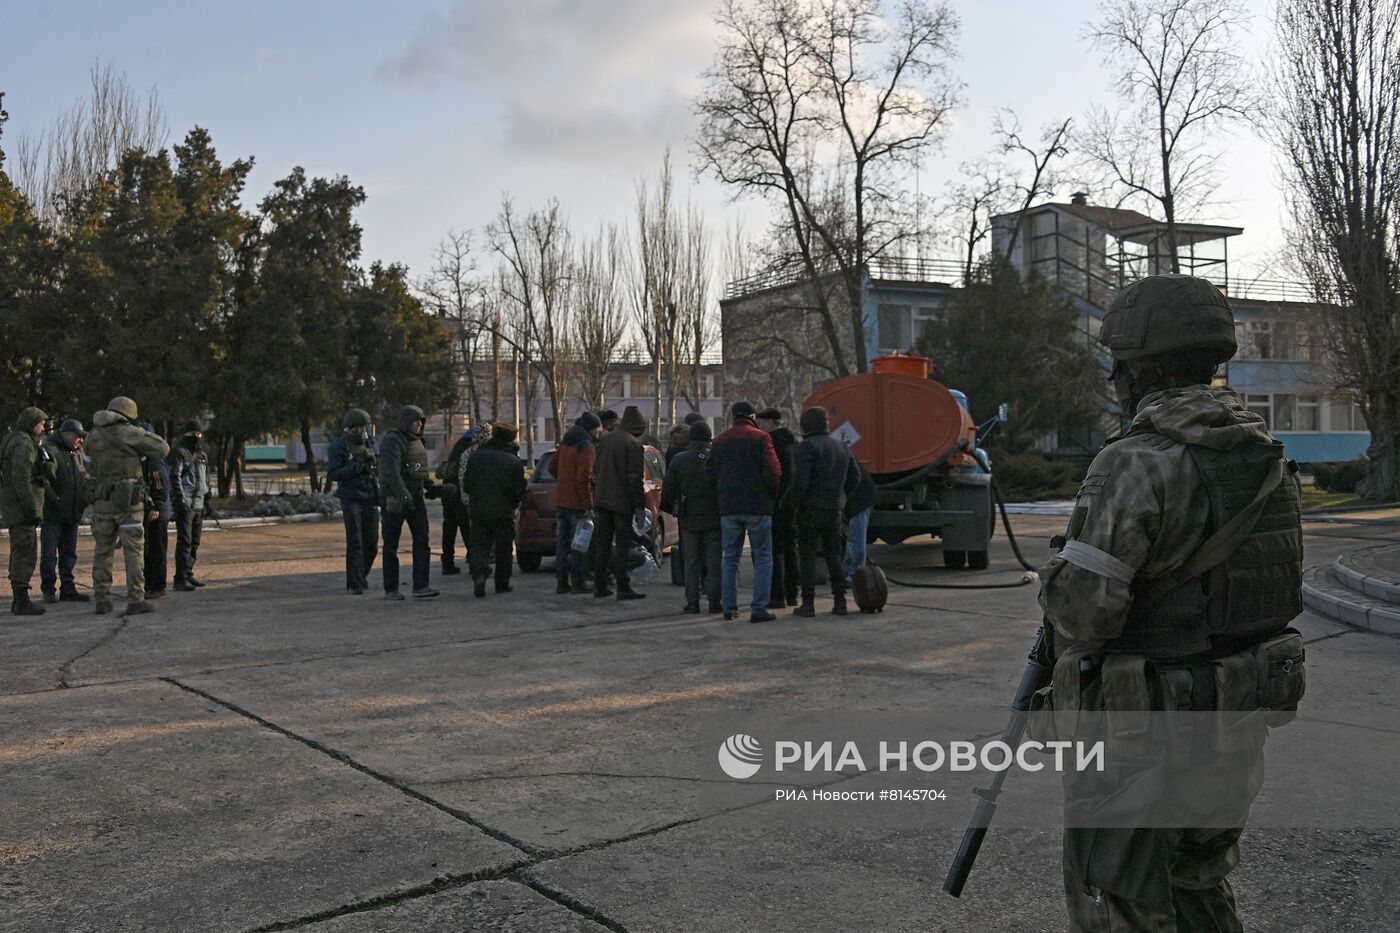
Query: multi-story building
(775, 352)
(1281, 369)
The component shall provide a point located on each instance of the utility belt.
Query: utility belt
(124, 495)
(1269, 677)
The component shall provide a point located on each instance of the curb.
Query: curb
(1362, 582)
(1324, 594)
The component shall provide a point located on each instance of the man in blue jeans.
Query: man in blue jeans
(859, 505)
(746, 473)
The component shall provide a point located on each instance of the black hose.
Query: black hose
(1031, 576)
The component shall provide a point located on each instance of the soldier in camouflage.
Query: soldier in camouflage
(404, 482)
(116, 447)
(1153, 567)
(26, 469)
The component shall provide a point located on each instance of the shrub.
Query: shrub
(1032, 476)
(303, 504)
(1340, 477)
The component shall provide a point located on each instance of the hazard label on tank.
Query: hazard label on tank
(847, 432)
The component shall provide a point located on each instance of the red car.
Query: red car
(534, 530)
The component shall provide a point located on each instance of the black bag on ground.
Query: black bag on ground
(870, 589)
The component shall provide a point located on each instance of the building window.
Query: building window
(894, 327)
(1258, 340)
(1344, 415)
(707, 386)
(1261, 406)
(1309, 413)
(925, 318)
(612, 388)
(1285, 408)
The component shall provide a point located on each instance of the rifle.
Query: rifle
(1039, 668)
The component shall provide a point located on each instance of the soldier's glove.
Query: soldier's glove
(431, 491)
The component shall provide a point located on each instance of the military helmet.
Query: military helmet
(1167, 313)
(123, 406)
(357, 418)
(72, 426)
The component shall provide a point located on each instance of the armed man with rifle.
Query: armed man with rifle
(1172, 590)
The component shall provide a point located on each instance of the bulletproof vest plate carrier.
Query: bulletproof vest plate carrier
(1256, 591)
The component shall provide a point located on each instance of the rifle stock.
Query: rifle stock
(1039, 668)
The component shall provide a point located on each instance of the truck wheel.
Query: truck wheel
(977, 560)
(529, 562)
(954, 560)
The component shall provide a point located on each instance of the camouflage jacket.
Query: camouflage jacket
(1141, 511)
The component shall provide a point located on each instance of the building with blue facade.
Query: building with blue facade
(775, 352)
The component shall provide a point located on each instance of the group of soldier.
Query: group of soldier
(134, 482)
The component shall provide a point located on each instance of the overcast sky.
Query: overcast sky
(436, 108)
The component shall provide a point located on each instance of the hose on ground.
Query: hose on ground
(1030, 576)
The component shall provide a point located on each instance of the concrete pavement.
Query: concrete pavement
(270, 753)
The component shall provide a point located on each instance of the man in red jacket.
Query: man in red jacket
(747, 475)
(573, 498)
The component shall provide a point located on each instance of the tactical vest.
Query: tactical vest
(1252, 594)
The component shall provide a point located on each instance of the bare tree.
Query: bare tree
(537, 255)
(657, 276)
(452, 289)
(87, 141)
(1336, 121)
(1180, 75)
(1041, 177)
(699, 331)
(803, 97)
(980, 192)
(599, 319)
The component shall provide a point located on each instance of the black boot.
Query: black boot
(625, 592)
(562, 588)
(839, 605)
(449, 569)
(807, 610)
(480, 586)
(73, 596)
(21, 606)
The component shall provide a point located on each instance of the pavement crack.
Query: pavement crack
(66, 667)
(436, 886)
(336, 754)
(600, 774)
(570, 902)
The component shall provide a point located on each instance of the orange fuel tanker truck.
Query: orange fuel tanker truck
(919, 443)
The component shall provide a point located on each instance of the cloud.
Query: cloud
(591, 78)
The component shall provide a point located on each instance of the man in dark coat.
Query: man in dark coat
(189, 489)
(352, 464)
(692, 498)
(63, 508)
(160, 509)
(573, 498)
(455, 519)
(746, 472)
(618, 494)
(494, 482)
(405, 482)
(26, 470)
(785, 569)
(826, 474)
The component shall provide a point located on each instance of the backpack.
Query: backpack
(870, 588)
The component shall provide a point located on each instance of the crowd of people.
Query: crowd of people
(135, 483)
(791, 498)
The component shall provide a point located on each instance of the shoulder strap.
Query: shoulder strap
(1219, 546)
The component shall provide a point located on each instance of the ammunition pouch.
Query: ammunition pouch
(1270, 677)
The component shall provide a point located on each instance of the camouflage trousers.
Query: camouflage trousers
(24, 550)
(1195, 861)
(107, 531)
